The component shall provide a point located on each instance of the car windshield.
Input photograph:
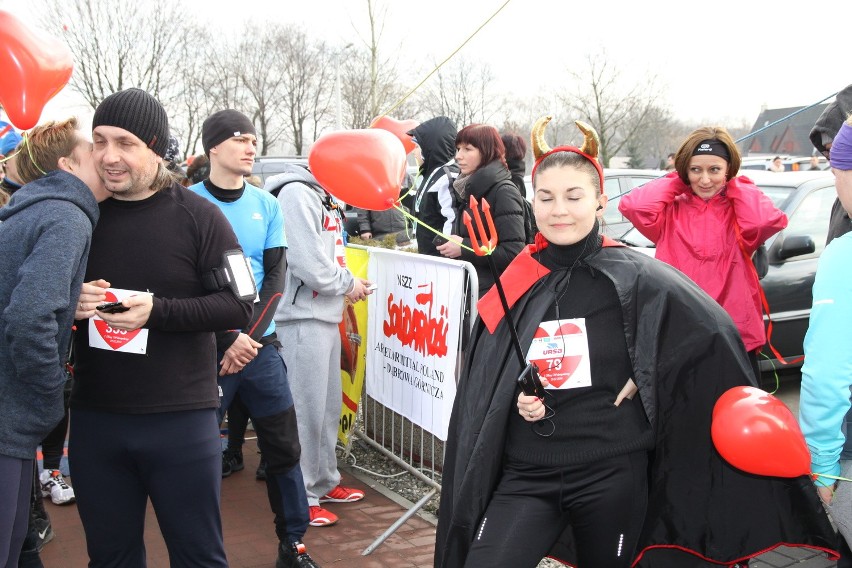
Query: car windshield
(778, 194)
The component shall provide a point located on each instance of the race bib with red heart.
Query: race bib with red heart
(102, 336)
(560, 350)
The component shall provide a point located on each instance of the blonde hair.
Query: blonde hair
(40, 150)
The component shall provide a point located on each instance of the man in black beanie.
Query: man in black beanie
(250, 365)
(145, 396)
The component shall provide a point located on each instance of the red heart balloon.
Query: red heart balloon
(34, 68)
(757, 433)
(398, 128)
(363, 168)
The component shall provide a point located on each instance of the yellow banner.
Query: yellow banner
(353, 335)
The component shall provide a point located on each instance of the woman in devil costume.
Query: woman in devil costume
(614, 465)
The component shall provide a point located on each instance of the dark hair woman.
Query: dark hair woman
(480, 156)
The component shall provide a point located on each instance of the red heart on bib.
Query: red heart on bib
(557, 370)
(115, 338)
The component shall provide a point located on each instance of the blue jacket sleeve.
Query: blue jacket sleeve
(827, 371)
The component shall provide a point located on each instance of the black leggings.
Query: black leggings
(604, 502)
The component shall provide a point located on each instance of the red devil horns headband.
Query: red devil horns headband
(589, 150)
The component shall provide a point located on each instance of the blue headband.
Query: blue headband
(841, 149)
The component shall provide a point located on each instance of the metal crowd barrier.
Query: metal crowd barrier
(415, 450)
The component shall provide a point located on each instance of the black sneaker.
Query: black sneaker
(260, 474)
(232, 460)
(40, 532)
(294, 555)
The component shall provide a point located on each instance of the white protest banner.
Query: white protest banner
(413, 335)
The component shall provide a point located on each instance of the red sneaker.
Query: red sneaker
(342, 494)
(321, 517)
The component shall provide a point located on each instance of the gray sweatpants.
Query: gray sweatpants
(311, 351)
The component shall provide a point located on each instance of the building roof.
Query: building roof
(789, 137)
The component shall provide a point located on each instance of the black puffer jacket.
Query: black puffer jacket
(493, 182)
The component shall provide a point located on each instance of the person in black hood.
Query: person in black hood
(433, 200)
(822, 136)
(481, 158)
(516, 153)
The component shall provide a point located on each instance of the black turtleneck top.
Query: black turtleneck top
(586, 424)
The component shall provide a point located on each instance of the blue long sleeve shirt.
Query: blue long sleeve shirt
(827, 372)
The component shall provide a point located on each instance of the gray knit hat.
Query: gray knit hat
(222, 125)
(139, 113)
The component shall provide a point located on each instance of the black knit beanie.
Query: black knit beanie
(222, 125)
(139, 113)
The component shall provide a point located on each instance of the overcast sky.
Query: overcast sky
(719, 61)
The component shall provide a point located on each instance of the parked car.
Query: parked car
(806, 197)
(790, 163)
(616, 182)
(267, 166)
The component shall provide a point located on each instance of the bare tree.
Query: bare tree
(258, 60)
(199, 96)
(618, 110)
(370, 79)
(464, 92)
(114, 48)
(359, 92)
(307, 74)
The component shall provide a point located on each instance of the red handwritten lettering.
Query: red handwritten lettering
(421, 329)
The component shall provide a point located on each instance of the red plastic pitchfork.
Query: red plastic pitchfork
(478, 244)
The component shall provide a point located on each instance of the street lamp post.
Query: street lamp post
(338, 106)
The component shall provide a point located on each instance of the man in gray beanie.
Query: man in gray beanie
(145, 396)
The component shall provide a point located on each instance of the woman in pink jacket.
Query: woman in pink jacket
(707, 223)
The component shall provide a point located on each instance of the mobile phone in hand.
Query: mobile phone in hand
(371, 287)
(438, 240)
(530, 383)
(112, 308)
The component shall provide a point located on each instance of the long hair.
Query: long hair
(164, 178)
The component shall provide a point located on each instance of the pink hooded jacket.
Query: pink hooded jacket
(699, 238)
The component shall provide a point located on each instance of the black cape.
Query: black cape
(686, 352)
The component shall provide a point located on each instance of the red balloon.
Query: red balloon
(363, 168)
(33, 67)
(398, 128)
(757, 433)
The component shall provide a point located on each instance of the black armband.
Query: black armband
(235, 273)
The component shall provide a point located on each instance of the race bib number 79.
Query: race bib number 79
(560, 350)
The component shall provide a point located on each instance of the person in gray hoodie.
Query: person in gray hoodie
(306, 321)
(45, 233)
